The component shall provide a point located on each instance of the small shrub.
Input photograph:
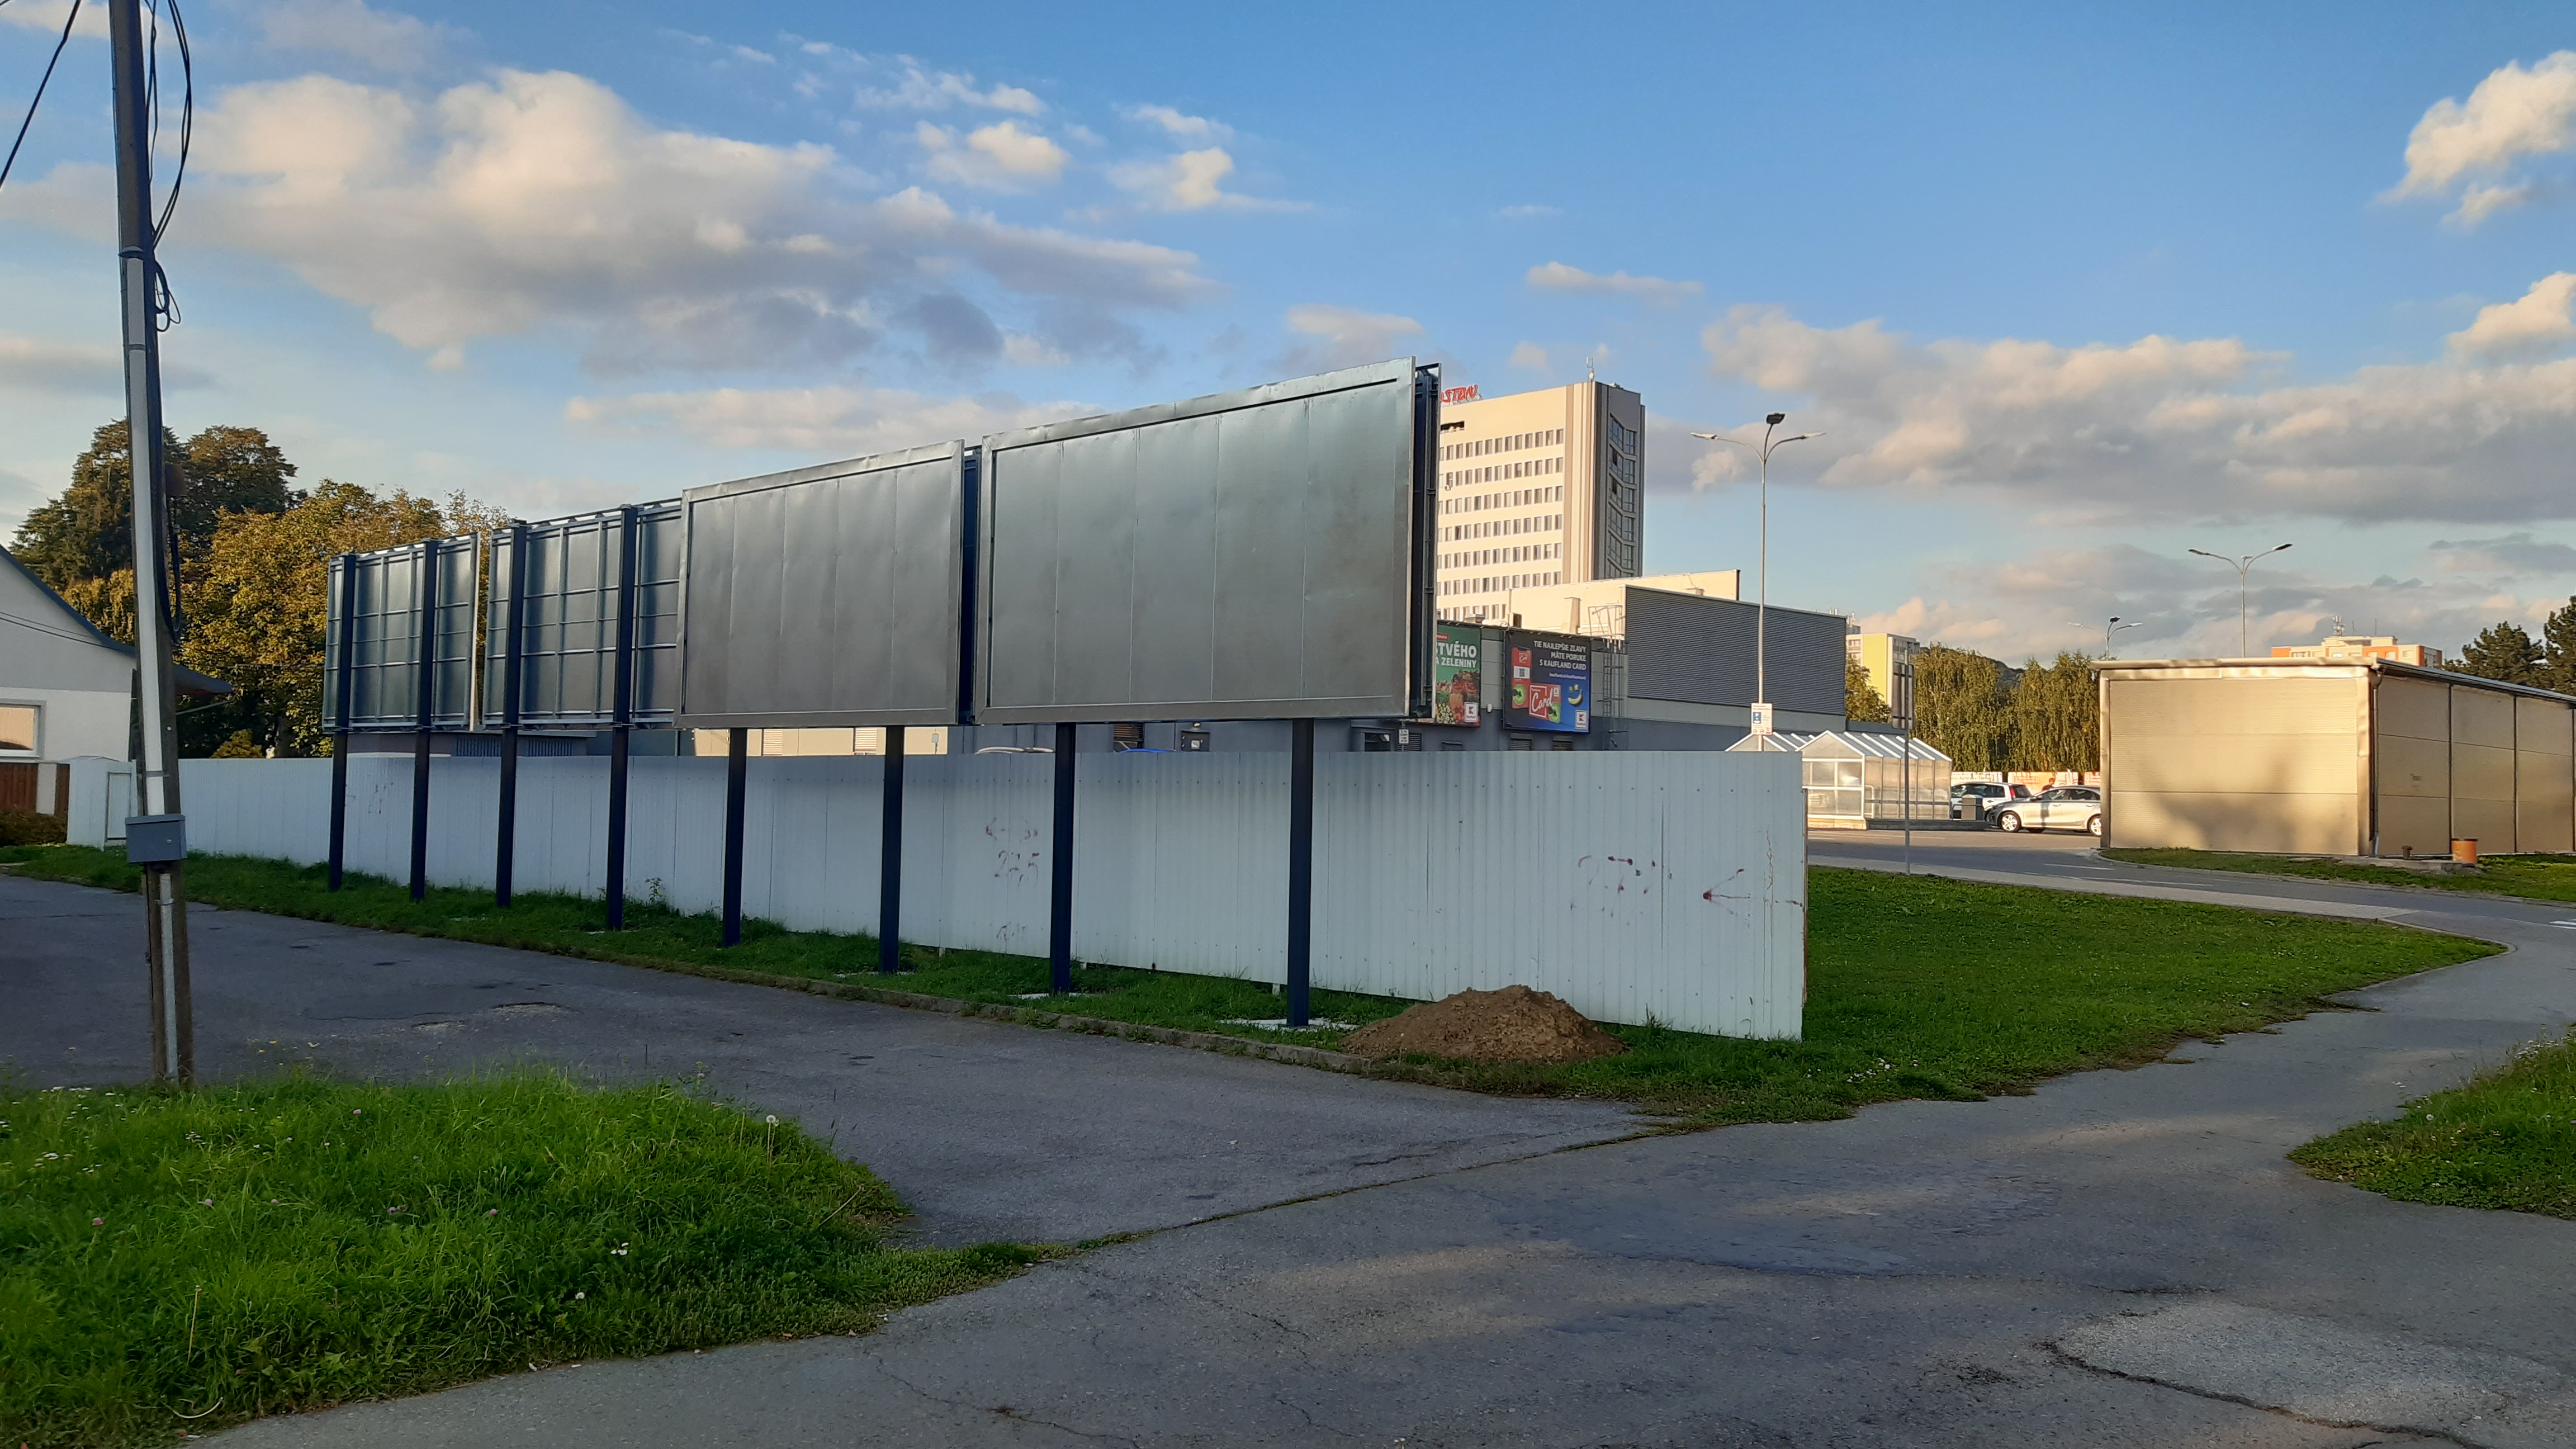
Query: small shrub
(26, 827)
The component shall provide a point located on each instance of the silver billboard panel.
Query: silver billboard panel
(393, 614)
(555, 591)
(827, 596)
(1251, 555)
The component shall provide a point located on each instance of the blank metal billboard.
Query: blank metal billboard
(372, 647)
(827, 596)
(1251, 555)
(557, 586)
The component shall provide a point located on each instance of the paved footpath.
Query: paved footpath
(2120, 1258)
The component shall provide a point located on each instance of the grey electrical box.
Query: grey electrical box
(156, 839)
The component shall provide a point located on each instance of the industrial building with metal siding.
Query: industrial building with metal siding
(2333, 757)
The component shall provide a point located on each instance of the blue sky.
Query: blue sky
(2070, 293)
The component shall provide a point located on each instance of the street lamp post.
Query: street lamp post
(2111, 626)
(1762, 588)
(2244, 638)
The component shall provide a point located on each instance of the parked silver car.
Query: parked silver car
(2068, 807)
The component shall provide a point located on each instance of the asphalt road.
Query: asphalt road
(2120, 1258)
(989, 1131)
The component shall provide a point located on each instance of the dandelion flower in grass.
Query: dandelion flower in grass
(772, 1119)
(98, 1222)
(578, 1296)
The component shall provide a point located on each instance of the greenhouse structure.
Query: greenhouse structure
(1857, 777)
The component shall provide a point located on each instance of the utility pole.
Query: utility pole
(156, 838)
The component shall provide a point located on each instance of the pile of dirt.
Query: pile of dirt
(1514, 1024)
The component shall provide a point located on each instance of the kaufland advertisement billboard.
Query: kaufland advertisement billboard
(1551, 683)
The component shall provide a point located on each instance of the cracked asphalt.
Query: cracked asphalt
(2120, 1258)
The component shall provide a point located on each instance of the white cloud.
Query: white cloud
(2040, 601)
(2515, 555)
(47, 16)
(44, 365)
(530, 201)
(385, 39)
(1529, 355)
(843, 420)
(2164, 429)
(2513, 114)
(999, 157)
(1558, 277)
(1528, 212)
(918, 88)
(1344, 336)
(1190, 181)
(1178, 126)
(2535, 325)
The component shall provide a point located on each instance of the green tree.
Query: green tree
(2558, 645)
(88, 531)
(2057, 716)
(2503, 651)
(257, 603)
(1861, 701)
(1961, 707)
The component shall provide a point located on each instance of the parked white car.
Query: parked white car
(2068, 807)
(1977, 799)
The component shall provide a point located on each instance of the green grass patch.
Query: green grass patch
(2505, 1140)
(175, 1263)
(2541, 877)
(1917, 986)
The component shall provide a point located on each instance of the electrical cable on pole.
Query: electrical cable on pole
(156, 836)
(39, 99)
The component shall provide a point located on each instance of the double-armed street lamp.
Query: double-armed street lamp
(1762, 588)
(2110, 626)
(2244, 637)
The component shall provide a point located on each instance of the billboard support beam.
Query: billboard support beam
(737, 787)
(348, 566)
(1301, 868)
(1060, 866)
(624, 719)
(890, 858)
(505, 845)
(424, 699)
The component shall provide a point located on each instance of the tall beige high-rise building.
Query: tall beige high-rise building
(1536, 489)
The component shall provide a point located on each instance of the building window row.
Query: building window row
(1508, 498)
(1508, 443)
(1500, 527)
(1479, 557)
(1499, 583)
(1499, 472)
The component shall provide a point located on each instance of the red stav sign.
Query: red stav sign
(1459, 394)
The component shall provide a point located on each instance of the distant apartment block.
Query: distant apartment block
(1538, 489)
(2362, 646)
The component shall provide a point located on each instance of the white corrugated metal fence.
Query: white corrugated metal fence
(1648, 886)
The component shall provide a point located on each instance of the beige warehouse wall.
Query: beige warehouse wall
(2252, 763)
(2544, 776)
(2482, 751)
(2413, 748)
